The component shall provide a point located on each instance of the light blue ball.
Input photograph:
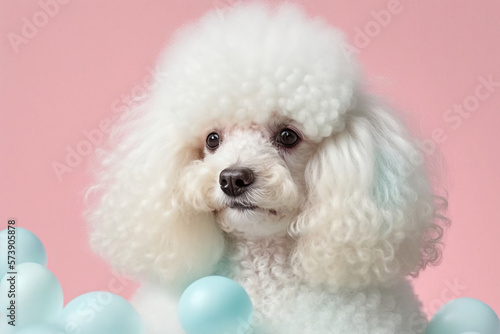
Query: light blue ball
(38, 295)
(100, 312)
(28, 248)
(464, 315)
(41, 329)
(215, 305)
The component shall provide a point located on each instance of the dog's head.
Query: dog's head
(260, 128)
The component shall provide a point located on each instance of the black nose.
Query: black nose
(234, 181)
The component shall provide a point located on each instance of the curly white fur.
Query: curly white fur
(339, 220)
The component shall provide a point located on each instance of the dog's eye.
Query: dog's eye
(213, 141)
(287, 138)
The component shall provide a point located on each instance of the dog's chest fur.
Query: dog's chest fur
(262, 267)
(283, 304)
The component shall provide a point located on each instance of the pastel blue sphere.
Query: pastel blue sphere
(39, 296)
(28, 248)
(215, 305)
(100, 312)
(42, 329)
(464, 315)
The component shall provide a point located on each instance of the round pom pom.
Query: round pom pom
(215, 305)
(38, 295)
(464, 315)
(100, 312)
(28, 248)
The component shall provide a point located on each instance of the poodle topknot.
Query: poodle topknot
(259, 156)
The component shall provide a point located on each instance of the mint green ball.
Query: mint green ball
(464, 315)
(38, 295)
(215, 305)
(41, 329)
(27, 248)
(100, 312)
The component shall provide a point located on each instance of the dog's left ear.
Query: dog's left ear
(138, 220)
(370, 212)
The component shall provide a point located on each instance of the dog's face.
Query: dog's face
(252, 176)
(262, 129)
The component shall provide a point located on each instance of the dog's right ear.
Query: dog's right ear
(137, 221)
(371, 217)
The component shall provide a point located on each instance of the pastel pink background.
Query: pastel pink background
(92, 54)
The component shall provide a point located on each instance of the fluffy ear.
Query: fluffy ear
(370, 212)
(138, 221)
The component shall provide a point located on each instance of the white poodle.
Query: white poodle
(260, 157)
